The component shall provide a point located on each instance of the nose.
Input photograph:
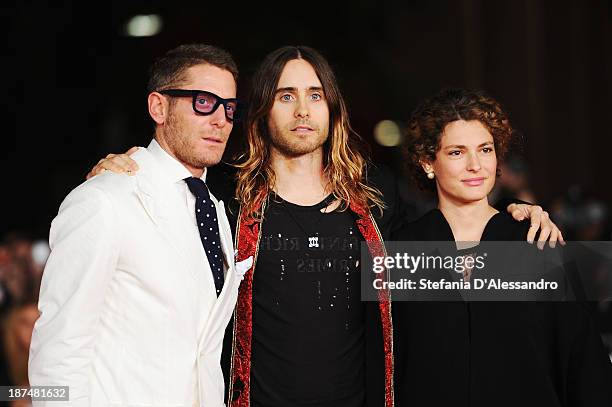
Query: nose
(301, 108)
(218, 117)
(473, 163)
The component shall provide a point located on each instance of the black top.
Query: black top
(308, 322)
(495, 353)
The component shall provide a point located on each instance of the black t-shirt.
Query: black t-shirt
(308, 320)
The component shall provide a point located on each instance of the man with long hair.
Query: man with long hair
(300, 333)
(307, 199)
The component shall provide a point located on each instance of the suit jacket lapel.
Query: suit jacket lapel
(222, 309)
(227, 247)
(172, 220)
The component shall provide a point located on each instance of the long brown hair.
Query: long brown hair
(344, 160)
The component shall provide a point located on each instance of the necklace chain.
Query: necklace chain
(313, 238)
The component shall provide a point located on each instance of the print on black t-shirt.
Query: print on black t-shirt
(308, 320)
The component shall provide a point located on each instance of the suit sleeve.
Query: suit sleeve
(84, 253)
(397, 212)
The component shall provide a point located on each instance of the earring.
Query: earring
(431, 175)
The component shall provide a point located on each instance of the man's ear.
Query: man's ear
(158, 107)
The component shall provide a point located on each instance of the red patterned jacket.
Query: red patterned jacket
(248, 233)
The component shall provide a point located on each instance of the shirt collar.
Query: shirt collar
(170, 166)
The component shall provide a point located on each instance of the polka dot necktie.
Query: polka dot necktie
(206, 216)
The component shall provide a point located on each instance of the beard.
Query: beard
(291, 144)
(184, 144)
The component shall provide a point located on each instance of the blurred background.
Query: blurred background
(74, 90)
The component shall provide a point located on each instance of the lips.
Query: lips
(302, 127)
(473, 182)
(213, 139)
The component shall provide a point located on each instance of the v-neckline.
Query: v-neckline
(485, 232)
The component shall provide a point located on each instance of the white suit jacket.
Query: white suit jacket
(129, 313)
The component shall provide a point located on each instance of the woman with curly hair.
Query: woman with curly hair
(483, 353)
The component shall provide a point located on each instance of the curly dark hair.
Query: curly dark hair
(430, 118)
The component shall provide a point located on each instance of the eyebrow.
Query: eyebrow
(294, 89)
(462, 146)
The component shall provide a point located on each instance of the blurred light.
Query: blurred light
(387, 133)
(144, 25)
(40, 252)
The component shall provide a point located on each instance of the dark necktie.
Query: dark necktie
(208, 226)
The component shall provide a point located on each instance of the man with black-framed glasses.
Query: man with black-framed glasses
(206, 103)
(141, 281)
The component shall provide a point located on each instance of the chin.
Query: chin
(205, 160)
(300, 150)
(210, 161)
(471, 196)
(296, 150)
